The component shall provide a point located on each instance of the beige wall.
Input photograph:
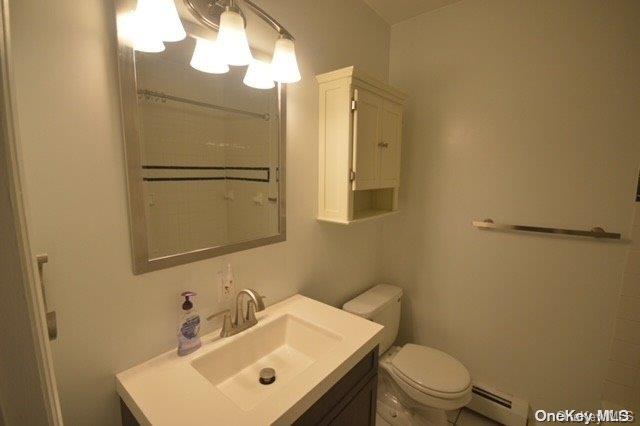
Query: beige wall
(525, 112)
(69, 115)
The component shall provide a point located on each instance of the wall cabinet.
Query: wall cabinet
(360, 137)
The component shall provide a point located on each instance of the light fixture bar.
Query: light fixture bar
(269, 19)
(261, 13)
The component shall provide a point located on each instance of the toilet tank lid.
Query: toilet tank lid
(373, 300)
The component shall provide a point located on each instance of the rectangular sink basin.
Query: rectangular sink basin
(288, 344)
(311, 346)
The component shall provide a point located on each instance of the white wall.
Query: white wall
(109, 320)
(525, 112)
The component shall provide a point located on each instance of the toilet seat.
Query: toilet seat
(431, 371)
(429, 376)
(422, 380)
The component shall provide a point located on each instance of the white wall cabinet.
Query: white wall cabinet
(360, 142)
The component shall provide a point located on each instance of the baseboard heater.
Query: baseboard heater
(499, 406)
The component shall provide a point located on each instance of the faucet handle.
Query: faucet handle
(259, 303)
(226, 322)
(251, 311)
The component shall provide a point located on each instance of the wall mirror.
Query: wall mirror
(205, 151)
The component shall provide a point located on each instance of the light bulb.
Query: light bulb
(207, 57)
(162, 17)
(233, 39)
(259, 75)
(284, 62)
(135, 31)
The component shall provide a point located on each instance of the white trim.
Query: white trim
(366, 81)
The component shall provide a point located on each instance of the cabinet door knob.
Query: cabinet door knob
(383, 144)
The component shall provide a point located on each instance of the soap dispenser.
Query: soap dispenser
(188, 339)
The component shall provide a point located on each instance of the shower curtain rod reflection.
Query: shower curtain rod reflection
(160, 95)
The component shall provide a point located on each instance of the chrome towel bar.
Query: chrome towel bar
(596, 232)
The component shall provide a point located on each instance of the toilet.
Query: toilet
(416, 384)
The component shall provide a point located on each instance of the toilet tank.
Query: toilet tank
(380, 304)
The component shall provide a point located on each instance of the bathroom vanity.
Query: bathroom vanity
(325, 361)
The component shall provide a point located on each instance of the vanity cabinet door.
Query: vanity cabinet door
(361, 410)
(389, 147)
(351, 401)
(366, 139)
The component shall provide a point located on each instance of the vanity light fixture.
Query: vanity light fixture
(157, 21)
(134, 29)
(233, 38)
(284, 62)
(207, 57)
(160, 17)
(259, 75)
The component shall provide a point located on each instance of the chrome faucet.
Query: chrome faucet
(242, 321)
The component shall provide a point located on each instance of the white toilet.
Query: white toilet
(416, 384)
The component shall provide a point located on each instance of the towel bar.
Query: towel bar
(596, 232)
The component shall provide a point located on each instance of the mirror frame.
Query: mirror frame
(132, 147)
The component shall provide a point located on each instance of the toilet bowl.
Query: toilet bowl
(434, 383)
(416, 383)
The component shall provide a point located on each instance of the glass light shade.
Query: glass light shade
(148, 44)
(134, 30)
(126, 27)
(284, 62)
(162, 18)
(207, 57)
(233, 39)
(259, 75)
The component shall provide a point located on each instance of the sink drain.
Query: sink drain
(267, 376)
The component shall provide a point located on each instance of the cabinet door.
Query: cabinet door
(366, 137)
(361, 410)
(389, 153)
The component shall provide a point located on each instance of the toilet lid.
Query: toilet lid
(429, 369)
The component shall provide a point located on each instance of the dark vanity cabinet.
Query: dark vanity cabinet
(350, 402)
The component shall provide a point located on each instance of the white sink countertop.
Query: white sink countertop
(310, 344)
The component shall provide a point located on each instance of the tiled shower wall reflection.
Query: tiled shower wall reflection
(622, 382)
(194, 214)
(209, 174)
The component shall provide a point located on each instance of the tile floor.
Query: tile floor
(466, 417)
(463, 417)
